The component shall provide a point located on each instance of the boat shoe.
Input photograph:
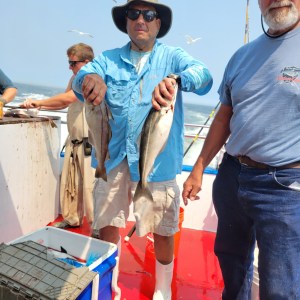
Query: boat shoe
(64, 225)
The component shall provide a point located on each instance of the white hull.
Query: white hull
(29, 176)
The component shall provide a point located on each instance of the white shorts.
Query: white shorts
(113, 198)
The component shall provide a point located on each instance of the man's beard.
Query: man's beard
(279, 20)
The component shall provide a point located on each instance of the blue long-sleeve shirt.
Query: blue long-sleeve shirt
(129, 97)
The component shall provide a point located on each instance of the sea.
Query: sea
(194, 115)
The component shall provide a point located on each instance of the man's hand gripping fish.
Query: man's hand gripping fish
(154, 137)
(97, 118)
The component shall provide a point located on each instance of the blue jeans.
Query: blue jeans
(258, 205)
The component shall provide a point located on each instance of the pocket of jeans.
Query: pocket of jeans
(289, 178)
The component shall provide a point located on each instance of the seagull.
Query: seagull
(80, 32)
(191, 40)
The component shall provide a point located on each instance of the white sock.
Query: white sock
(163, 277)
(115, 274)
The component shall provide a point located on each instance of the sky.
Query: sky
(35, 35)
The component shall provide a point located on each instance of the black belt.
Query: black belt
(76, 142)
(247, 161)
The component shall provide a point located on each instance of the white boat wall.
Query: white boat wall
(29, 175)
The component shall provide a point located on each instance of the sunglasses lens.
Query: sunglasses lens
(133, 14)
(148, 15)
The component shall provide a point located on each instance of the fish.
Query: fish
(27, 113)
(154, 136)
(99, 133)
(16, 113)
(20, 112)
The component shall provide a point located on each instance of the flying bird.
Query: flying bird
(80, 32)
(191, 40)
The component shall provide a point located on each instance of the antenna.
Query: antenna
(246, 37)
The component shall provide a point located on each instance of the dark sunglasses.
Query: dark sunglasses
(73, 63)
(148, 15)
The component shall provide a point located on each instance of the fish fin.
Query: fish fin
(63, 250)
(103, 176)
(108, 112)
(142, 192)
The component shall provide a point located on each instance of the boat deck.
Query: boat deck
(197, 273)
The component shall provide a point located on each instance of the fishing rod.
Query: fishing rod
(246, 40)
(246, 36)
(197, 135)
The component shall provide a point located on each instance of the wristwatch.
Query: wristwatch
(176, 77)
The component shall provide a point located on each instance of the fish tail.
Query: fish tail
(142, 191)
(101, 173)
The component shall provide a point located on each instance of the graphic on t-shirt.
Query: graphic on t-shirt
(289, 75)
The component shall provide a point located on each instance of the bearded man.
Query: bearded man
(257, 190)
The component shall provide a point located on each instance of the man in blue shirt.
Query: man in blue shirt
(8, 90)
(132, 79)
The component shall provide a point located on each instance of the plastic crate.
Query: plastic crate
(83, 248)
(27, 271)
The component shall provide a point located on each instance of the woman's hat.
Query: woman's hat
(164, 14)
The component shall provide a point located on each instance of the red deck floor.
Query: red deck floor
(196, 270)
